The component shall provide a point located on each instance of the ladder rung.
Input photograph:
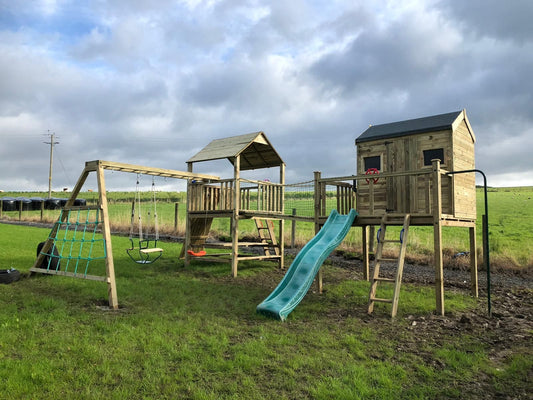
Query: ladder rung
(385, 280)
(387, 259)
(381, 300)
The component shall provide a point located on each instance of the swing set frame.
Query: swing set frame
(99, 166)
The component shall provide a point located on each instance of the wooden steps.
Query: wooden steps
(399, 261)
(265, 228)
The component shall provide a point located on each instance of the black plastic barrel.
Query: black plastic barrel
(8, 204)
(24, 201)
(36, 203)
(52, 203)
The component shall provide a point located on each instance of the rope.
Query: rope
(81, 226)
(138, 198)
(154, 202)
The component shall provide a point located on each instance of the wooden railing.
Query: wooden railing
(372, 195)
(256, 196)
(409, 191)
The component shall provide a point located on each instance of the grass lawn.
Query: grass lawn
(193, 333)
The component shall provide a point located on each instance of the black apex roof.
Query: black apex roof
(408, 127)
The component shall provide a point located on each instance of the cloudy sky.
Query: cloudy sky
(151, 82)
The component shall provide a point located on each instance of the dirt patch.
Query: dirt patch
(507, 332)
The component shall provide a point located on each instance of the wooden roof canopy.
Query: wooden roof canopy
(432, 123)
(254, 149)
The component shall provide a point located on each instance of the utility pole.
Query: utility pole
(52, 142)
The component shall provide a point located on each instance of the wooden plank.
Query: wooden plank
(152, 250)
(139, 169)
(235, 217)
(437, 239)
(106, 232)
(366, 252)
(251, 257)
(70, 274)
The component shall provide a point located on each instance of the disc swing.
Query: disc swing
(144, 249)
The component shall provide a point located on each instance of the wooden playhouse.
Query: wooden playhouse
(399, 147)
(416, 172)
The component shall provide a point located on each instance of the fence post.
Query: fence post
(42, 210)
(176, 210)
(20, 210)
(293, 228)
(318, 198)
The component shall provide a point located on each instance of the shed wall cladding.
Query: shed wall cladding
(404, 194)
(464, 184)
(412, 194)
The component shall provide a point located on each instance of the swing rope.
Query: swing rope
(154, 205)
(144, 249)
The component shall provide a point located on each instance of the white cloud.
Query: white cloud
(153, 82)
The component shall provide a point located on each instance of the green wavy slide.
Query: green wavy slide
(296, 282)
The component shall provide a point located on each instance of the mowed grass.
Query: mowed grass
(193, 333)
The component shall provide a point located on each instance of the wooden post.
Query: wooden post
(188, 206)
(106, 232)
(176, 211)
(317, 193)
(20, 210)
(371, 244)
(437, 237)
(42, 210)
(281, 198)
(366, 260)
(2, 207)
(473, 262)
(318, 196)
(293, 229)
(235, 216)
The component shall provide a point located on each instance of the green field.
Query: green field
(192, 333)
(510, 225)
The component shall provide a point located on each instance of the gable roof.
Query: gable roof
(254, 149)
(418, 125)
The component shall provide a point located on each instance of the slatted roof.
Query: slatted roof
(254, 149)
(432, 123)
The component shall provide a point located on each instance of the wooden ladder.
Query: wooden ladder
(265, 228)
(388, 219)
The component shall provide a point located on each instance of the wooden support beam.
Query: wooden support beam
(106, 232)
(437, 238)
(139, 169)
(366, 257)
(281, 197)
(235, 217)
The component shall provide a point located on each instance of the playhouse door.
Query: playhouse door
(401, 156)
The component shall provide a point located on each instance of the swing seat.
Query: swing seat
(201, 253)
(146, 254)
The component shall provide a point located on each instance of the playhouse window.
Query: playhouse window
(432, 155)
(372, 162)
